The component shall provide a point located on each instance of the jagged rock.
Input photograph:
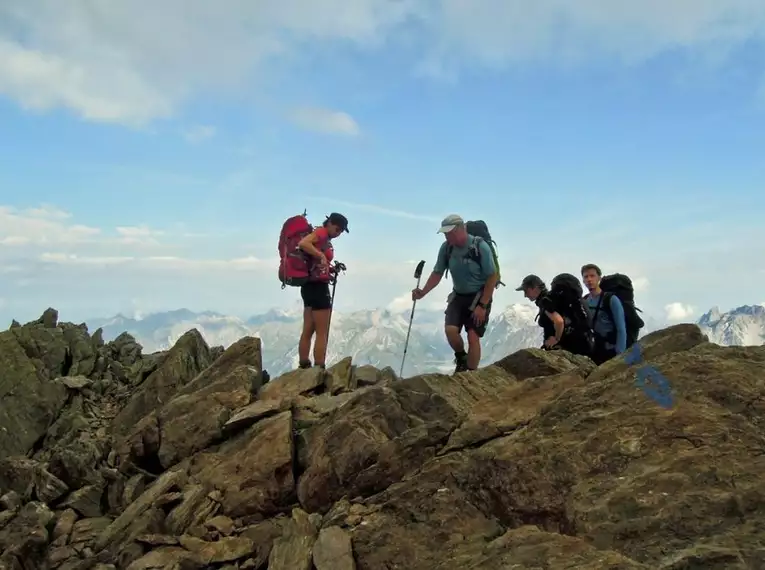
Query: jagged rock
(30, 402)
(196, 414)
(26, 536)
(532, 362)
(333, 550)
(49, 318)
(253, 470)
(340, 377)
(368, 375)
(170, 557)
(120, 528)
(387, 430)
(509, 409)
(263, 536)
(252, 413)
(48, 487)
(86, 500)
(196, 506)
(64, 525)
(81, 350)
(222, 524)
(292, 384)
(10, 501)
(293, 549)
(539, 460)
(75, 382)
(227, 549)
(17, 474)
(188, 357)
(87, 530)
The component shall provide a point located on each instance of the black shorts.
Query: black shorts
(316, 296)
(459, 313)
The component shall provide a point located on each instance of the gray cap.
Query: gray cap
(530, 281)
(450, 222)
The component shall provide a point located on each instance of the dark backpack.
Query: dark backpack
(620, 286)
(566, 294)
(479, 230)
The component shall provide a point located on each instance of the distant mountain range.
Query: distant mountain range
(374, 337)
(744, 326)
(377, 337)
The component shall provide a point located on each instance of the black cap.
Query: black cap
(339, 220)
(530, 281)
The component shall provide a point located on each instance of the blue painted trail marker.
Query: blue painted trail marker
(653, 383)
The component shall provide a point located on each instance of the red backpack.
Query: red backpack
(294, 264)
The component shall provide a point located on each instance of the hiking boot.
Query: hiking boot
(317, 365)
(304, 364)
(460, 359)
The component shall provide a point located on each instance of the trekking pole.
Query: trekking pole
(335, 270)
(417, 275)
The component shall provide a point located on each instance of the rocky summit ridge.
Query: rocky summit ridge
(190, 458)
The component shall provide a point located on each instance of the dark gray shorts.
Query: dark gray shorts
(459, 313)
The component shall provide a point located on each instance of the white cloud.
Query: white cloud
(199, 133)
(44, 225)
(159, 262)
(403, 303)
(325, 121)
(42, 80)
(73, 258)
(640, 284)
(138, 235)
(679, 312)
(400, 303)
(49, 226)
(130, 61)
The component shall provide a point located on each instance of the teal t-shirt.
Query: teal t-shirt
(467, 275)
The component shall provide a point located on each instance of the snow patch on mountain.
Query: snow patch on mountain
(743, 326)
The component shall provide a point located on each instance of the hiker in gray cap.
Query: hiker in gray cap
(468, 253)
(562, 314)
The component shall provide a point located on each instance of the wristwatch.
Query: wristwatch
(481, 305)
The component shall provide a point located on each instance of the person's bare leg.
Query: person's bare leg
(474, 350)
(304, 346)
(321, 324)
(454, 338)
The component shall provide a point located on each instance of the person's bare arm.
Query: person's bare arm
(558, 323)
(433, 280)
(488, 288)
(308, 244)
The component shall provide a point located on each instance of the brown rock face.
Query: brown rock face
(185, 459)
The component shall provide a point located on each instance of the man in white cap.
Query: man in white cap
(470, 261)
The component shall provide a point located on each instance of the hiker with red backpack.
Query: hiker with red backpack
(305, 255)
(469, 253)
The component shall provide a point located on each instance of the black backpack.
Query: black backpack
(480, 230)
(566, 294)
(620, 286)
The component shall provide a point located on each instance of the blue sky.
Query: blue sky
(148, 163)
